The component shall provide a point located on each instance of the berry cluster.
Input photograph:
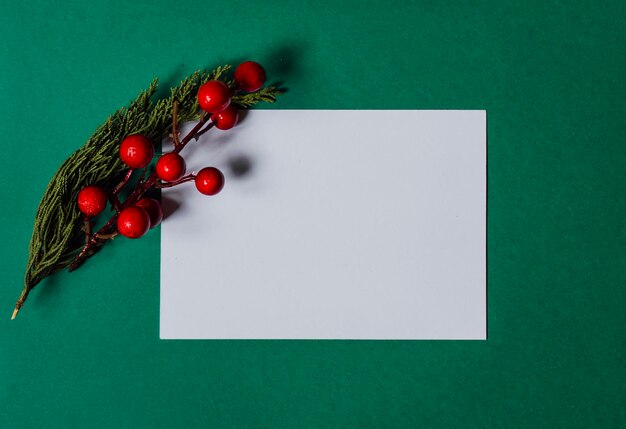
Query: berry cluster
(138, 214)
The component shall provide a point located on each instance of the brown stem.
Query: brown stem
(187, 178)
(115, 201)
(87, 229)
(175, 136)
(106, 236)
(20, 302)
(204, 130)
(123, 182)
(194, 132)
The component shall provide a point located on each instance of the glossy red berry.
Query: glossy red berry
(92, 200)
(249, 76)
(214, 96)
(209, 181)
(170, 167)
(226, 119)
(153, 207)
(133, 222)
(136, 151)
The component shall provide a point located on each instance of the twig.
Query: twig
(87, 229)
(187, 178)
(175, 137)
(123, 182)
(106, 236)
(204, 130)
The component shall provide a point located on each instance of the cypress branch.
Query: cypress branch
(57, 234)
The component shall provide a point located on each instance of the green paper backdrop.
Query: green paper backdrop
(85, 350)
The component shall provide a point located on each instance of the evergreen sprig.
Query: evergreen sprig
(267, 94)
(57, 234)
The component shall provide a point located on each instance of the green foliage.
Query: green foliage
(57, 234)
(267, 94)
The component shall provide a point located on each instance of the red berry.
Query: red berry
(92, 200)
(133, 222)
(249, 76)
(214, 96)
(170, 167)
(136, 151)
(153, 207)
(209, 181)
(226, 119)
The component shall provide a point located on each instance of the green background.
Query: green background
(85, 350)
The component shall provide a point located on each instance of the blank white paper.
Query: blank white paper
(333, 224)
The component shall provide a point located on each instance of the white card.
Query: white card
(333, 224)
